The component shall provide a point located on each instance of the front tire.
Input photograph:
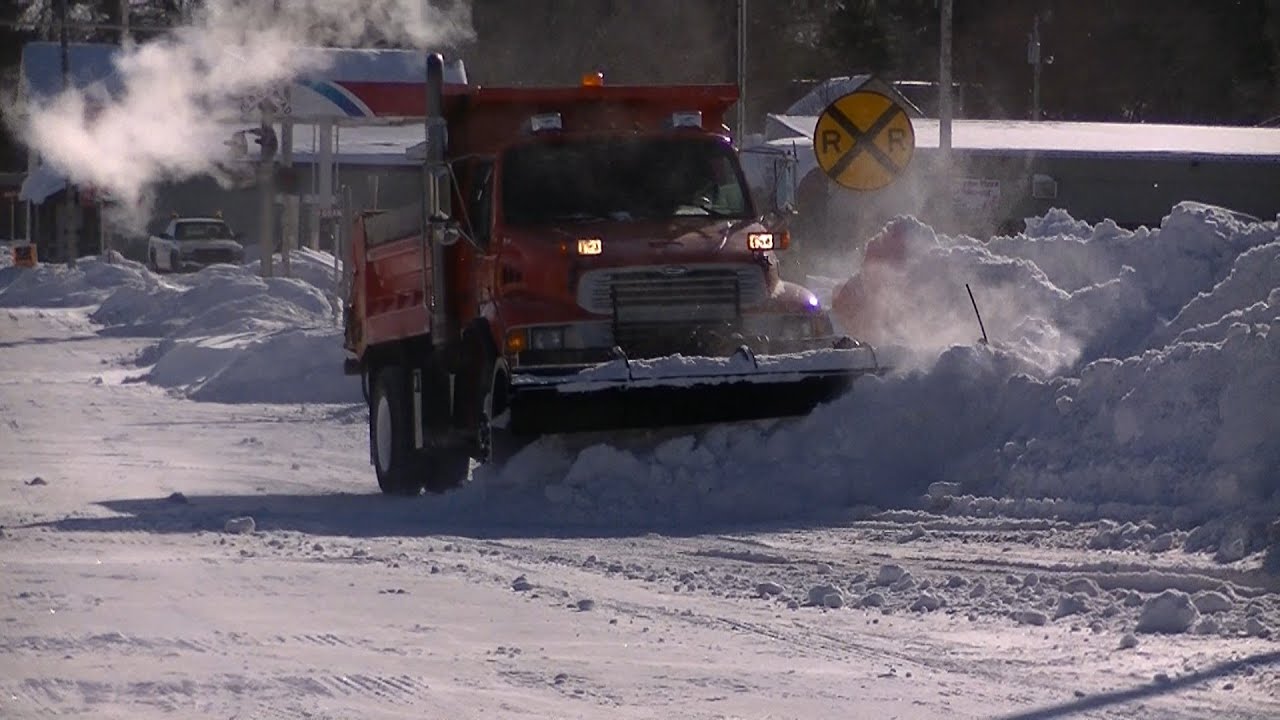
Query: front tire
(496, 444)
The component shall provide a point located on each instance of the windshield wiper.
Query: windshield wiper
(704, 204)
(578, 217)
(704, 211)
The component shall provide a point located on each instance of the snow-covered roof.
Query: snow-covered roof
(1076, 138)
(90, 63)
(374, 145)
(40, 184)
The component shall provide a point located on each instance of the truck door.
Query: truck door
(479, 213)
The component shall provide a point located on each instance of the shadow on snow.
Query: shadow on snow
(370, 515)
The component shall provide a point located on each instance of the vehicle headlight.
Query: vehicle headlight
(546, 338)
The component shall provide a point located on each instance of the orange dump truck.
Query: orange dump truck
(584, 258)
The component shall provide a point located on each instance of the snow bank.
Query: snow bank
(1126, 370)
(235, 337)
(55, 285)
(225, 334)
(314, 267)
(290, 366)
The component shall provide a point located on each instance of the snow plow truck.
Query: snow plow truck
(584, 258)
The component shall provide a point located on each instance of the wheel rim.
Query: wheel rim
(382, 433)
(487, 404)
(485, 429)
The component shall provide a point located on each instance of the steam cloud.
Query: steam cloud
(181, 93)
(914, 300)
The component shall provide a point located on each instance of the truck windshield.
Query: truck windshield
(200, 230)
(622, 179)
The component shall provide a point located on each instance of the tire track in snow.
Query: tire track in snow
(390, 689)
(38, 695)
(53, 695)
(219, 643)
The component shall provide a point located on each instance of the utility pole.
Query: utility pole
(944, 82)
(125, 37)
(67, 238)
(1033, 59)
(945, 113)
(266, 188)
(323, 199)
(289, 200)
(742, 72)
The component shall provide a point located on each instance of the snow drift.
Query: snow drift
(1130, 374)
(225, 334)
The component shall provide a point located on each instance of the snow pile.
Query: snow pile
(92, 280)
(314, 267)
(226, 334)
(1060, 295)
(236, 337)
(886, 441)
(1050, 418)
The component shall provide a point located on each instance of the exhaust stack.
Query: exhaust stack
(438, 199)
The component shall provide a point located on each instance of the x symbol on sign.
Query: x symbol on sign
(864, 141)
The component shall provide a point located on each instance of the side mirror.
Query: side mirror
(449, 234)
(784, 185)
(777, 220)
(165, 236)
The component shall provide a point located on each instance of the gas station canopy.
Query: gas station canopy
(348, 86)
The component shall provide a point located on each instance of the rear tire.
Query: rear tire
(401, 469)
(390, 433)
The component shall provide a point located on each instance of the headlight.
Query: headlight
(546, 338)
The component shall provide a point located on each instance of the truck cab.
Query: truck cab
(646, 241)
(584, 258)
(191, 243)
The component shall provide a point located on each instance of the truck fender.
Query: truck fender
(479, 348)
(480, 331)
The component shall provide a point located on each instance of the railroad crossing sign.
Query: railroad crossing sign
(864, 140)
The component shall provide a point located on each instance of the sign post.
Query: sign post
(863, 141)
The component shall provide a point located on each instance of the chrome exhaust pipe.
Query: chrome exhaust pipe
(438, 199)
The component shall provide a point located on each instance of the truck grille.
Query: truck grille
(672, 293)
(673, 309)
(208, 257)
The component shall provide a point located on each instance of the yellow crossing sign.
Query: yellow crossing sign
(864, 140)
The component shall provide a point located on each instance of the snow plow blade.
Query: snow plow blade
(673, 391)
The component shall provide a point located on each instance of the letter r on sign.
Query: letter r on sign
(830, 141)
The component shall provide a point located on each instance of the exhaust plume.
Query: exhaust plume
(180, 94)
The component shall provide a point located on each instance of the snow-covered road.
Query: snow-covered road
(123, 594)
